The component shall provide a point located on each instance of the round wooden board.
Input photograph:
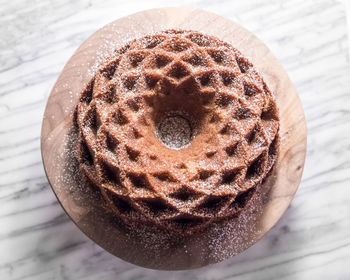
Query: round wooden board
(85, 209)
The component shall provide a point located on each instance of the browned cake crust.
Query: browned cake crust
(177, 130)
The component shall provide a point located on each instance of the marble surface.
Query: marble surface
(311, 241)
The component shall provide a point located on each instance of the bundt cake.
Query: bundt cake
(176, 130)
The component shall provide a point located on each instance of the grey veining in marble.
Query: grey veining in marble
(311, 241)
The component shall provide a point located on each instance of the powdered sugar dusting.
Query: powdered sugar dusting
(175, 132)
(148, 244)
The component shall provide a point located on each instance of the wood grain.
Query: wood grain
(82, 207)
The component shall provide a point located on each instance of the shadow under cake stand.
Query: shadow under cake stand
(147, 249)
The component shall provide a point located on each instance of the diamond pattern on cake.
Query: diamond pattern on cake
(229, 109)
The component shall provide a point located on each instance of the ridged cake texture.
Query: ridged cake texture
(177, 129)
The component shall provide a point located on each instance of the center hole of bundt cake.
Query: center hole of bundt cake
(174, 131)
(178, 113)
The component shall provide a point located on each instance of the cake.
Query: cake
(176, 130)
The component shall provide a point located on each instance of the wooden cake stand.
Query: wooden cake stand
(147, 249)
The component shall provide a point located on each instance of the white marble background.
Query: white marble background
(38, 240)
